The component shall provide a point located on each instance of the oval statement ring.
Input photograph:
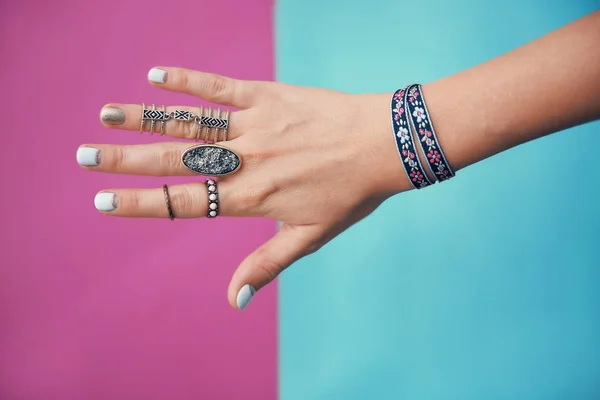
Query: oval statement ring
(211, 160)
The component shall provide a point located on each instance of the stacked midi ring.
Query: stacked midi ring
(213, 199)
(207, 121)
(210, 125)
(153, 115)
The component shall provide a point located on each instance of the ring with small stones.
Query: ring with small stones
(213, 198)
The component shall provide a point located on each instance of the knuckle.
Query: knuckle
(171, 160)
(118, 159)
(255, 151)
(133, 201)
(190, 131)
(220, 87)
(186, 81)
(257, 196)
(182, 201)
(271, 268)
(252, 155)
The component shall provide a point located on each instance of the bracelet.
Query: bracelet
(423, 128)
(404, 141)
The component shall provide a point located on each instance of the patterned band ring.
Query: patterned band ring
(168, 201)
(210, 124)
(153, 115)
(417, 110)
(213, 199)
(404, 141)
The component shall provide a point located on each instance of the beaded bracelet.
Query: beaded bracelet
(404, 142)
(417, 110)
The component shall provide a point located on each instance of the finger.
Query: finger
(215, 88)
(129, 117)
(268, 261)
(153, 159)
(187, 201)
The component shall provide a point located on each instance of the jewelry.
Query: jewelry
(168, 201)
(211, 160)
(217, 130)
(207, 130)
(199, 126)
(417, 110)
(404, 141)
(219, 124)
(153, 115)
(225, 129)
(213, 199)
(205, 122)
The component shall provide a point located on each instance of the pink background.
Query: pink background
(93, 307)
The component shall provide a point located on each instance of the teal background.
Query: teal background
(492, 290)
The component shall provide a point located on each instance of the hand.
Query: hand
(317, 160)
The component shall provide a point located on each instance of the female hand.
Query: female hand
(317, 160)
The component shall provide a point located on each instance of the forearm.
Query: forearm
(543, 87)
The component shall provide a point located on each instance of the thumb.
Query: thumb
(269, 260)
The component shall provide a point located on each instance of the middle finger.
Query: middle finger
(153, 159)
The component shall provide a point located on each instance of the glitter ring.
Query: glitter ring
(213, 199)
(211, 160)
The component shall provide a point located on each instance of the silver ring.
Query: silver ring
(153, 115)
(209, 121)
(205, 122)
(213, 122)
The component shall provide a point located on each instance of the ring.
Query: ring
(168, 201)
(211, 160)
(205, 122)
(217, 123)
(153, 115)
(213, 199)
(199, 130)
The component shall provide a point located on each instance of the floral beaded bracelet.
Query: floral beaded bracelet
(404, 141)
(423, 128)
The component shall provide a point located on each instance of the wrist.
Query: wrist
(452, 120)
(390, 176)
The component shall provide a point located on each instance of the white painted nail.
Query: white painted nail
(244, 296)
(88, 156)
(105, 201)
(157, 75)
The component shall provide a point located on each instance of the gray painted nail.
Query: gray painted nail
(112, 116)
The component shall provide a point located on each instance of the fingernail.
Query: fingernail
(244, 296)
(88, 156)
(112, 116)
(157, 75)
(106, 201)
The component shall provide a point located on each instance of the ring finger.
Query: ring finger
(190, 200)
(129, 117)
